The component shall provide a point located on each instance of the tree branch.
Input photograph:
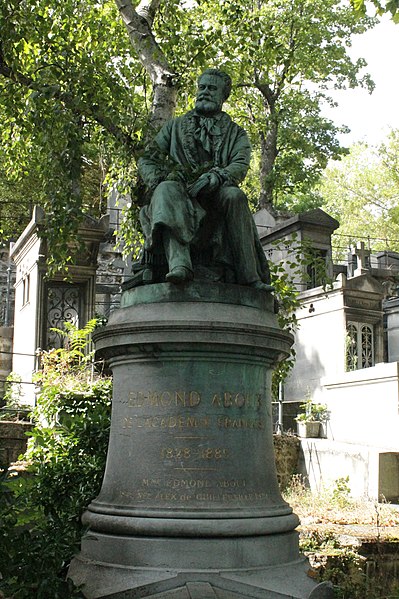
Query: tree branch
(288, 61)
(267, 93)
(145, 44)
(151, 57)
(148, 10)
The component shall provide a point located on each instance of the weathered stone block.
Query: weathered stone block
(286, 450)
(13, 441)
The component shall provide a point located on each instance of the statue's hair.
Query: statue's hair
(225, 78)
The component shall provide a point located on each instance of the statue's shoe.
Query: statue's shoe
(180, 274)
(262, 286)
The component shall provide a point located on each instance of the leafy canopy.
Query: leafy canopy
(284, 57)
(390, 7)
(76, 97)
(66, 104)
(362, 193)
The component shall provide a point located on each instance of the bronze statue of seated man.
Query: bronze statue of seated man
(192, 170)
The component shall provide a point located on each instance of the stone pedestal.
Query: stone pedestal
(190, 506)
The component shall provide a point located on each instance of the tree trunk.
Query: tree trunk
(139, 27)
(268, 146)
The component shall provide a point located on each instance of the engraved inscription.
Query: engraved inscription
(208, 496)
(187, 453)
(151, 482)
(183, 490)
(165, 399)
(191, 483)
(194, 483)
(192, 399)
(181, 422)
(190, 438)
(238, 400)
(242, 423)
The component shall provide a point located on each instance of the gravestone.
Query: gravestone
(358, 260)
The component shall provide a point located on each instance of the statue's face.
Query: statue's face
(210, 95)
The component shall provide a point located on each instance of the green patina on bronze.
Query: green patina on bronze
(197, 217)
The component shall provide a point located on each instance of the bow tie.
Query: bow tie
(207, 129)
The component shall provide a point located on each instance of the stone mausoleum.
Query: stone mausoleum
(346, 357)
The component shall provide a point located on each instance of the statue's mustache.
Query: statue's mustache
(208, 98)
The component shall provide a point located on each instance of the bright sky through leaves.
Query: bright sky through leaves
(370, 116)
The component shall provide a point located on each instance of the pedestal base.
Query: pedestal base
(290, 580)
(190, 506)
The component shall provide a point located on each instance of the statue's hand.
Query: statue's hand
(214, 181)
(207, 182)
(176, 176)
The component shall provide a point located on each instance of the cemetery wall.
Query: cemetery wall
(364, 406)
(323, 461)
(361, 434)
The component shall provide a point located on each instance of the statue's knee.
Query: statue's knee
(166, 188)
(232, 197)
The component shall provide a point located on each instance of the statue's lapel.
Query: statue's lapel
(188, 127)
(189, 142)
(221, 130)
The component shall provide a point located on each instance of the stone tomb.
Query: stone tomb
(190, 505)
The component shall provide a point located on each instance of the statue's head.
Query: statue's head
(214, 88)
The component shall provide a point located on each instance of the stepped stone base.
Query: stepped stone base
(289, 580)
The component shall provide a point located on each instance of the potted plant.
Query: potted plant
(310, 420)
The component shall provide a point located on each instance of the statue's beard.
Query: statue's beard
(207, 107)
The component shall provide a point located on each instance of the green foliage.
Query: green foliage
(35, 548)
(289, 55)
(312, 412)
(40, 520)
(345, 568)
(388, 7)
(341, 491)
(14, 409)
(133, 239)
(12, 390)
(75, 97)
(306, 142)
(17, 201)
(76, 343)
(361, 192)
(330, 557)
(340, 565)
(65, 101)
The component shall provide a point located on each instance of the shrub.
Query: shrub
(40, 526)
